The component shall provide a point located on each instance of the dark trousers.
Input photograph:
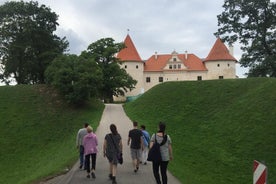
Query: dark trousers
(93, 161)
(163, 165)
(81, 150)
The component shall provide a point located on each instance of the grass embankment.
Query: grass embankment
(38, 132)
(217, 127)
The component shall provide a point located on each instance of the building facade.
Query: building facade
(159, 68)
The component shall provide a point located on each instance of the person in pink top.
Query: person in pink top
(90, 143)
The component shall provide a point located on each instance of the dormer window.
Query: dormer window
(174, 59)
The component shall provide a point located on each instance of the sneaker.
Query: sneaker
(93, 175)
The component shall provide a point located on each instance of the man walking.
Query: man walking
(135, 140)
(79, 142)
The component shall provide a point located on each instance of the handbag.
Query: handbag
(154, 154)
(119, 154)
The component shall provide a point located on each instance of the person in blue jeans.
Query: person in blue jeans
(166, 154)
(79, 142)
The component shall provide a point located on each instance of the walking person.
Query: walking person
(90, 143)
(146, 141)
(135, 140)
(80, 135)
(166, 154)
(112, 147)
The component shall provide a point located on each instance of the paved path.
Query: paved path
(113, 113)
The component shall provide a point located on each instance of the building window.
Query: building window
(218, 65)
(228, 65)
(148, 79)
(160, 79)
(170, 67)
(179, 66)
(174, 66)
(125, 66)
(174, 59)
(199, 78)
(220, 77)
(136, 66)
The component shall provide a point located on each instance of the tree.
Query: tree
(27, 42)
(116, 81)
(253, 23)
(76, 77)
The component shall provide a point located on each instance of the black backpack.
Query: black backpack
(154, 154)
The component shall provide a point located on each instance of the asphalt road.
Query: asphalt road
(113, 113)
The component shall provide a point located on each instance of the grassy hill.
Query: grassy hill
(217, 127)
(36, 127)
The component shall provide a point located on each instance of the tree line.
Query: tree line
(31, 53)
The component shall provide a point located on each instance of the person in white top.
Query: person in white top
(81, 133)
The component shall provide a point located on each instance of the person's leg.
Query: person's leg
(155, 169)
(87, 165)
(164, 166)
(81, 151)
(110, 170)
(114, 172)
(93, 157)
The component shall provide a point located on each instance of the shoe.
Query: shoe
(145, 163)
(114, 180)
(93, 175)
(110, 176)
(88, 176)
(80, 166)
(135, 170)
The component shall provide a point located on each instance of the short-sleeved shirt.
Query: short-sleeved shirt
(135, 135)
(164, 149)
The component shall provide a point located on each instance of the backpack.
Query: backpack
(154, 154)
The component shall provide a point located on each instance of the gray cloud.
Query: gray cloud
(155, 25)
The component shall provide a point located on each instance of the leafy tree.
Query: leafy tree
(27, 42)
(116, 81)
(77, 78)
(253, 23)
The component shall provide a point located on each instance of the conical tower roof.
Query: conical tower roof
(129, 53)
(219, 52)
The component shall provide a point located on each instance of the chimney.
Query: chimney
(155, 55)
(231, 49)
(186, 54)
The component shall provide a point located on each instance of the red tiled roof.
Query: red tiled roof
(129, 53)
(219, 52)
(193, 63)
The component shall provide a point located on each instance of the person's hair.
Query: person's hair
(86, 125)
(143, 127)
(113, 129)
(135, 123)
(162, 127)
(89, 129)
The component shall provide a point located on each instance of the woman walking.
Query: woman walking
(90, 143)
(166, 154)
(111, 148)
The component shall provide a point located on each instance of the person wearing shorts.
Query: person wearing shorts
(135, 140)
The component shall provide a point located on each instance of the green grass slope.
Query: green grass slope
(38, 132)
(217, 127)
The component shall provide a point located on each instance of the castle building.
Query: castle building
(219, 64)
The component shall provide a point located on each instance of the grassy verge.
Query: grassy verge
(38, 132)
(218, 127)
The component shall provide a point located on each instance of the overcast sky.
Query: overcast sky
(154, 25)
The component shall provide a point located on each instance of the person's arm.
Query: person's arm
(128, 141)
(142, 142)
(170, 152)
(104, 148)
(77, 139)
